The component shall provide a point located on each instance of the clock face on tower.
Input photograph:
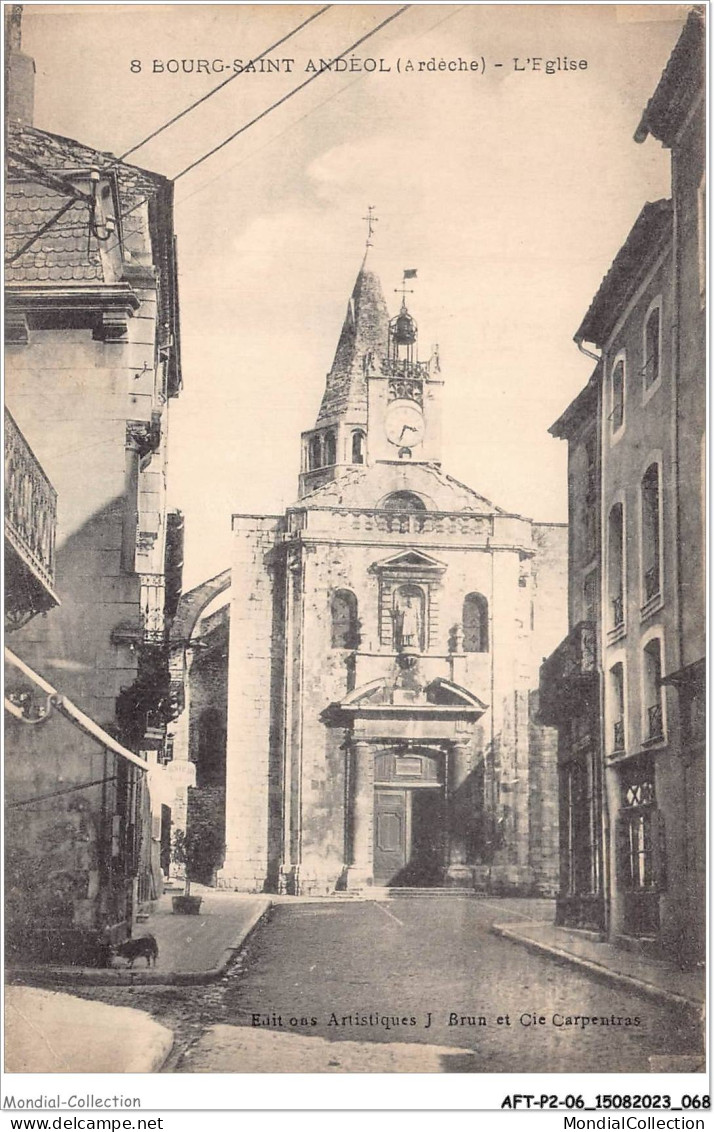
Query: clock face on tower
(404, 424)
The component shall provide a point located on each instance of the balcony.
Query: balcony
(618, 612)
(618, 736)
(568, 676)
(655, 723)
(173, 563)
(30, 529)
(651, 583)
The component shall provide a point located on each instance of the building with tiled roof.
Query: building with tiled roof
(626, 688)
(92, 359)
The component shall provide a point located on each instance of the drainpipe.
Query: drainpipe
(588, 354)
(605, 803)
(677, 662)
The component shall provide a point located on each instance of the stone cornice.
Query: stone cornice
(108, 305)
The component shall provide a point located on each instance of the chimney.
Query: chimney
(19, 72)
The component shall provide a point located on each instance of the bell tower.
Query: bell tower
(381, 403)
(404, 397)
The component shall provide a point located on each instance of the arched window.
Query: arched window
(475, 623)
(617, 396)
(650, 533)
(345, 625)
(358, 448)
(615, 565)
(404, 501)
(652, 347)
(330, 449)
(315, 452)
(652, 674)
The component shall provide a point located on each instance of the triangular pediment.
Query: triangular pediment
(409, 560)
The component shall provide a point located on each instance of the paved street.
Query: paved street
(409, 957)
(412, 956)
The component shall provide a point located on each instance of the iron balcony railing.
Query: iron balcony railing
(30, 506)
(618, 735)
(651, 582)
(655, 728)
(618, 611)
(567, 674)
(405, 369)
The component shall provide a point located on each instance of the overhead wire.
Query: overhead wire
(297, 121)
(221, 85)
(216, 149)
(78, 195)
(41, 231)
(290, 94)
(269, 109)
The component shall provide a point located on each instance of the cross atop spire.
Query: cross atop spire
(371, 221)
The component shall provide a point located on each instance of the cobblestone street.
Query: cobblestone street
(361, 971)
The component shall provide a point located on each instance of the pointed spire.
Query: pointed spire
(361, 347)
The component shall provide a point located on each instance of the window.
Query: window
(315, 453)
(345, 626)
(475, 623)
(589, 504)
(403, 501)
(358, 448)
(211, 760)
(653, 347)
(580, 838)
(330, 449)
(640, 837)
(615, 565)
(617, 396)
(652, 688)
(617, 708)
(638, 871)
(650, 533)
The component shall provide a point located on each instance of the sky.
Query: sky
(509, 189)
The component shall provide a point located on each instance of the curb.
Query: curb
(75, 1039)
(123, 977)
(599, 971)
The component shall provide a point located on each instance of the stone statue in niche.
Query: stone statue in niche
(408, 619)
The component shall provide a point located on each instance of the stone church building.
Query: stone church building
(386, 636)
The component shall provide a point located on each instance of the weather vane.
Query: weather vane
(409, 273)
(371, 221)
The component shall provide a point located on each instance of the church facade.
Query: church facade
(386, 636)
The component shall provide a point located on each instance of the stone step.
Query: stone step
(424, 892)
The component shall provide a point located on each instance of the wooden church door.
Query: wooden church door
(390, 834)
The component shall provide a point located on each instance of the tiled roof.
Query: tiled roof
(653, 225)
(37, 165)
(581, 408)
(682, 79)
(365, 331)
(65, 253)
